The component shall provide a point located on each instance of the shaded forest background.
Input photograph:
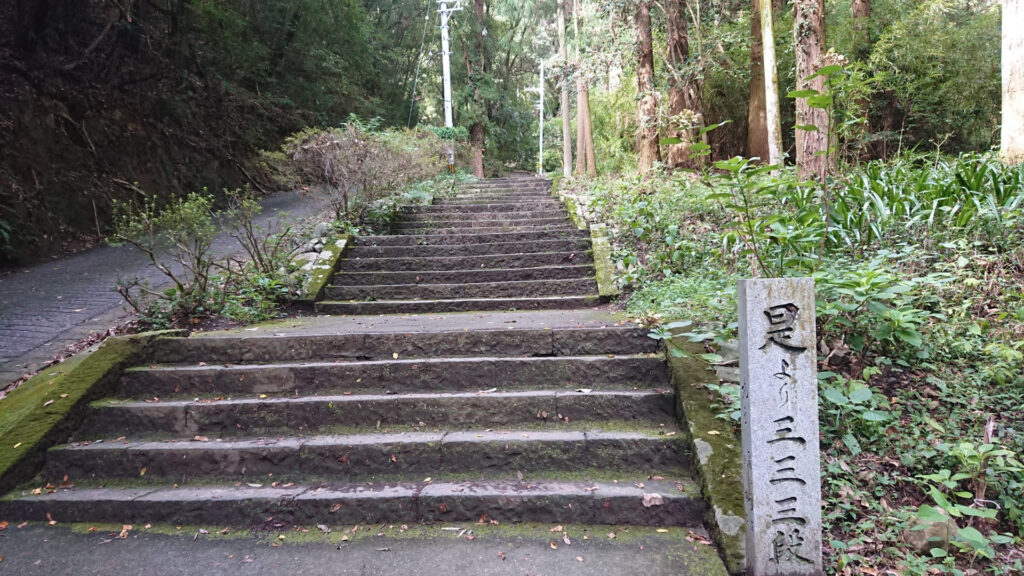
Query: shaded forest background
(106, 100)
(116, 99)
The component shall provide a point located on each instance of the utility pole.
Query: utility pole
(446, 70)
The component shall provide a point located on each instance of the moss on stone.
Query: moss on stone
(321, 270)
(603, 265)
(719, 458)
(50, 405)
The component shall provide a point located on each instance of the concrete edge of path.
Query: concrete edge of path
(48, 406)
(719, 461)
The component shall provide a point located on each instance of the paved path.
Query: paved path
(49, 306)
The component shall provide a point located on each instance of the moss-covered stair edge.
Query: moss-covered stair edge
(319, 272)
(48, 407)
(719, 457)
(604, 268)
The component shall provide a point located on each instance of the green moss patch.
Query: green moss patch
(47, 408)
(318, 273)
(718, 458)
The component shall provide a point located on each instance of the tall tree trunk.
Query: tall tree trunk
(563, 57)
(581, 129)
(773, 122)
(588, 133)
(585, 145)
(477, 132)
(812, 157)
(1012, 138)
(860, 12)
(647, 110)
(683, 94)
(757, 126)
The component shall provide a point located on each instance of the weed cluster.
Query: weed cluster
(919, 274)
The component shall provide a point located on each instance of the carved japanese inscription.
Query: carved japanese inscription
(781, 466)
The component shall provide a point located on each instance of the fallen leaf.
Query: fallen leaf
(395, 355)
(565, 538)
(50, 520)
(344, 538)
(125, 529)
(652, 500)
(143, 471)
(201, 439)
(556, 529)
(18, 444)
(579, 558)
(502, 556)
(254, 485)
(554, 545)
(336, 507)
(714, 432)
(47, 403)
(3, 525)
(662, 531)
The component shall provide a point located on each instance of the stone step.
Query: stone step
(416, 229)
(316, 414)
(238, 348)
(349, 456)
(510, 206)
(455, 305)
(463, 276)
(453, 218)
(512, 287)
(547, 501)
(473, 224)
(435, 263)
(462, 250)
(470, 238)
(493, 198)
(398, 376)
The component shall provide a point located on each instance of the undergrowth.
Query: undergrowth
(919, 274)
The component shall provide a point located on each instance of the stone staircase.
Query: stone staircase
(499, 245)
(557, 416)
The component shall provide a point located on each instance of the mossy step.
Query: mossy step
(416, 229)
(511, 206)
(483, 262)
(465, 224)
(495, 218)
(463, 276)
(512, 287)
(398, 376)
(412, 453)
(242, 347)
(492, 198)
(551, 502)
(456, 305)
(482, 249)
(312, 414)
(470, 237)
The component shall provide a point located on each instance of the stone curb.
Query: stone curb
(320, 270)
(55, 402)
(606, 286)
(718, 457)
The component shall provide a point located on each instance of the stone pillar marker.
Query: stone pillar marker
(781, 455)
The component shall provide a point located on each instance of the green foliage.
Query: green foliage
(360, 164)
(940, 62)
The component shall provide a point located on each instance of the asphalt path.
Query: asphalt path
(48, 306)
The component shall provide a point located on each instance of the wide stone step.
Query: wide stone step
(237, 348)
(470, 238)
(496, 218)
(483, 262)
(456, 305)
(514, 287)
(483, 223)
(552, 502)
(311, 414)
(350, 456)
(398, 376)
(509, 206)
(492, 199)
(491, 248)
(417, 229)
(463, 276)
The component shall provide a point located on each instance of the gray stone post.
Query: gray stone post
(781, 460)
